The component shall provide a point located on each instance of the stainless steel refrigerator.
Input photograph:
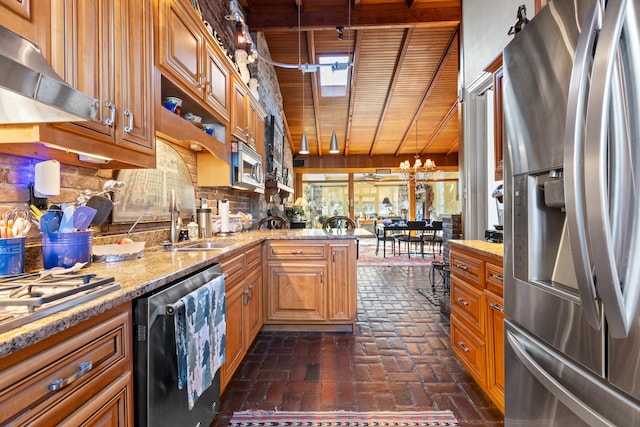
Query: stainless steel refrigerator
(572, 226)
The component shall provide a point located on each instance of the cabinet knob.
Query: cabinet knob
(245, 301)
(462, 267)
(250, 291)
(461, 301)
(497, 276)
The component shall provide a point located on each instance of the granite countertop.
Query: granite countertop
(156, 268)
(491, 250)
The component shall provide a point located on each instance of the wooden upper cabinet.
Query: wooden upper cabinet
(188, 56)
(107, 53)
(240, 116)
(20, 17)
(180, 44)
(217, 82)
(495, 68)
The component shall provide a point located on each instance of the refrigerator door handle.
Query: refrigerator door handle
(619, 308)
(573, 183)
(577, 406)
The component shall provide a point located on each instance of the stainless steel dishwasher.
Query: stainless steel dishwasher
(158, 400)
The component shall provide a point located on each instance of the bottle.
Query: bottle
(193, 229)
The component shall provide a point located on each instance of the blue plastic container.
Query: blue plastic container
(66, 249)
(12, 256)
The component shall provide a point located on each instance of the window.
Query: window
(333, 79)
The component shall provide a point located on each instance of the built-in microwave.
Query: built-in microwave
(246, 168)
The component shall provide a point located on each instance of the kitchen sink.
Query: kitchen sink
(201, 246)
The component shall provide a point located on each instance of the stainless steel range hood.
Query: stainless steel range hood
(31, 91)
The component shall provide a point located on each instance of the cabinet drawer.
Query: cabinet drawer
(254, 258)
(87, 353)
(494, 278)
(234, 269)
(466, 302)
(471, 269)
(469, 348)
(296, 251)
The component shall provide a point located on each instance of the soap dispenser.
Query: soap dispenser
(193, 229)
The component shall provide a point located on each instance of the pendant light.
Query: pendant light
(333, 148)
(304, 144)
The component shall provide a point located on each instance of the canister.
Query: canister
(204, 222)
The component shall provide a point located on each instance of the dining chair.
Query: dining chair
(434, 237)
(273, 222)
(338, 221)
(341, 222)
(414, 234)
(383, 237)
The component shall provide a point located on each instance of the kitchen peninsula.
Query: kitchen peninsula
(323, 264)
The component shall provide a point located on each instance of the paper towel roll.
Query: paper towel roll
(223, 211)
(47, 179)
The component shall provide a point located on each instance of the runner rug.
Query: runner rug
(343, 419)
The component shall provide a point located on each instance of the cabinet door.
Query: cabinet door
(342, 286)
(254, 307)
(236, 338)
(495, 348)
(89, 61)
(217, 83)
(469, 348)
(239, 124)
(135, 100)
(180, 45)
(110, 406)
(28, 19)
(296, 292)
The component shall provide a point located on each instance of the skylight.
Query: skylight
(333, 82)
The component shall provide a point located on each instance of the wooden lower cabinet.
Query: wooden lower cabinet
(477, 319)
(95, 359)
(310, 285)
(495, 316)
(244, 307)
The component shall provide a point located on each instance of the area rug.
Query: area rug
(367, 256)
(433, 295)
(342, 419)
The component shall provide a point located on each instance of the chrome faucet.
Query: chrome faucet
(142, 215)
(176, 221)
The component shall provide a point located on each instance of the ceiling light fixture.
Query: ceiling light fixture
(419, 173)
(237, 16)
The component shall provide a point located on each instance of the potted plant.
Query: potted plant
(294, 213)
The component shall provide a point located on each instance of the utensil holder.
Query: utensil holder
(66, 249)
(12, 256)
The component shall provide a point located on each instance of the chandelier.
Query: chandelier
(419, 173)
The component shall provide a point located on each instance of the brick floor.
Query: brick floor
(398, 360)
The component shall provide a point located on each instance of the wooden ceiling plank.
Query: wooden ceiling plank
(265, 20)
(427, 94)
(443, 122)
(355, 60)
(403, 52)
(315, 94)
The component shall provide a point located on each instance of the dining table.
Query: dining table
(400, 226)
